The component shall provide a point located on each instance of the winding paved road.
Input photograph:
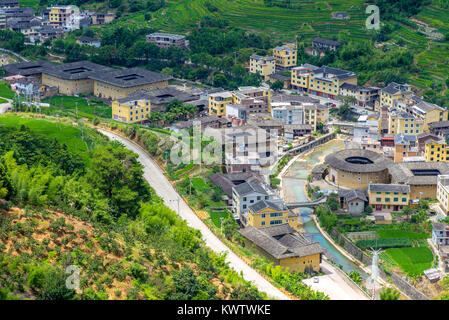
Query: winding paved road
(155, 177)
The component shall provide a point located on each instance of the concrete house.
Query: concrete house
(248, 193)
(353, 201)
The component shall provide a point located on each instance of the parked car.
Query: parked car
(316, 279)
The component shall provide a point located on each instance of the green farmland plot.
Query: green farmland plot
(69, 105)
(412, 260)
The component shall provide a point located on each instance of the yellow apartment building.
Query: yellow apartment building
(314, 114)
(388, 197)
(436, 151)
(131, 110)
(393, 92)
(324, 81)
(300, 77)
(267, 213)
(429, 112)
(286, 57)
(405, 123)
(443, 192)
(265, 66)
(218, 101)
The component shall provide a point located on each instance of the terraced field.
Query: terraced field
(432, 57)
(310, 19)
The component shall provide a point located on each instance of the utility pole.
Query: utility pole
(221, 225)
(82, 129)
(190, 186)
(76, 108)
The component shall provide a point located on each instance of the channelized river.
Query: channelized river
(294, 182)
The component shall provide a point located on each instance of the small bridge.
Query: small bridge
(307, 204)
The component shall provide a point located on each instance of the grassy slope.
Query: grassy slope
(64, 132)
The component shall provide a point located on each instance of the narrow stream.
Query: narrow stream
(294, 183)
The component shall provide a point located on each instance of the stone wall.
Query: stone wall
(364, 258)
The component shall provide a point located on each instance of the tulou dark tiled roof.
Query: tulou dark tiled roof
(77, 70)
(281, 241)
(338, 160)
(27, 68)
(418, 173)
(132, 77)
(382, 187)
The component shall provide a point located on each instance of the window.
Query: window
(263, 215)
(378, 199)
(263, 223)
(275, 222)
(387, 199)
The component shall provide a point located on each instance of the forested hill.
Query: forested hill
(415, 33)
(66, 201)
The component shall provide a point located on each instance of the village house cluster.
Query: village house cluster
(395, 155)
(53, 22)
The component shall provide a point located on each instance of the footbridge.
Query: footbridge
(306, 204)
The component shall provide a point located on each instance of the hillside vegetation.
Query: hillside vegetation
(99, 214)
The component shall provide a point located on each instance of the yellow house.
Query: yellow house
(283, 246)
(218, 101)
(315, 113)
(443, 192)
(131, 110)
(265, 66)
(300, 77)
(403, 122)
(286, 57)
(267, 213)
(392, 92)
(54, 15)
(436, 151)
(429, 112)
(388, 197)
(324, 81)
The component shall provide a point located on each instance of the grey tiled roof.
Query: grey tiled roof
(229, 180)
(260, 205)
(402, 173)
(27, 68)
(291, 98)
(249, 187)
(289, 244)
(326, 41)
(159, 96)
(132, 77)
(338, 73)
(77, 70)
(350, 195)
(167, 35)
(439, 124)
(338, 161)
(382, 187)
(404, 139)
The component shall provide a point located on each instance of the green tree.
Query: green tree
(389, 294)
(277, 85)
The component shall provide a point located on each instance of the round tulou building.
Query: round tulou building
(356, 168)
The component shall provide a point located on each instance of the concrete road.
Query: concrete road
(153, 174)
(335, 286)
